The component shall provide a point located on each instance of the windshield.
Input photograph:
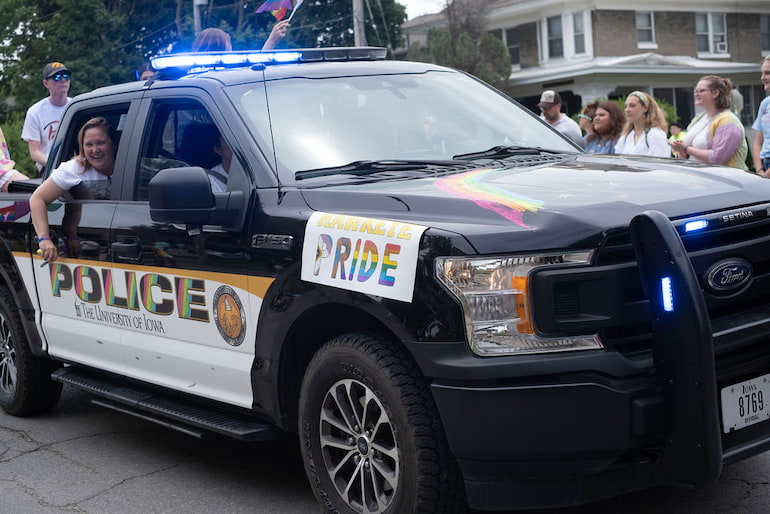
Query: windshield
(330, 122)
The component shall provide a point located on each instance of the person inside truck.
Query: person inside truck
(87, 175)
(203, 145)
(217, 40)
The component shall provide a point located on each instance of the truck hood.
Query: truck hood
(569, 204)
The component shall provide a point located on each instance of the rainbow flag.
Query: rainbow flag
(277, 7)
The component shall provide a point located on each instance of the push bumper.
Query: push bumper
(561, 438)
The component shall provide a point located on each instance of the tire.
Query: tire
(371, 436)
(25, 380)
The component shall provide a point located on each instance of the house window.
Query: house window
(512, 42)
(579, 33)
(555, 39)
(764, 32)
(565, 36)
(711, 33)
(645, 29)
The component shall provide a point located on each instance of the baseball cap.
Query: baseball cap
(52, 68)
(549, 98)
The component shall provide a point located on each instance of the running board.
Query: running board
(168, 411)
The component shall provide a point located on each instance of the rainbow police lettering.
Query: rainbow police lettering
(367, 255)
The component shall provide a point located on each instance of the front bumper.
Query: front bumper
(571, 429)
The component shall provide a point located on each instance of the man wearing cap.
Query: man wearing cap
(550, 111)
(43, 118)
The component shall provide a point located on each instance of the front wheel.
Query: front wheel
(25, 380)
(371, 436)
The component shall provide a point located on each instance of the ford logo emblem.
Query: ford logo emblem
(729, 276)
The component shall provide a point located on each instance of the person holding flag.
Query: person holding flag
(277, 34)
(278, 8)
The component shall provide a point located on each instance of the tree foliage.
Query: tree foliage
(104, 41)
(465, 45)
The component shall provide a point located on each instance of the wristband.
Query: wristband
(43, 238)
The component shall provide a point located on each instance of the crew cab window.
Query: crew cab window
(180, 134)
(116, 117)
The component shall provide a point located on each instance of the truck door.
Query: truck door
(192, 329)
(78, 317)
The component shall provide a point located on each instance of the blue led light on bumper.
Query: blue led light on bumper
(693, 226)
(668, 294)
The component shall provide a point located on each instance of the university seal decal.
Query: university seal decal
(229, 315)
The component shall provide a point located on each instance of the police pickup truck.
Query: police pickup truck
(448, 302)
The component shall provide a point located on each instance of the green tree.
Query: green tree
(465, 45)
(104, 41)
(330, 23)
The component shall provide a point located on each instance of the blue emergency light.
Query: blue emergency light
(668, 294)
(694, 226)
(175, 65)
(222, 59)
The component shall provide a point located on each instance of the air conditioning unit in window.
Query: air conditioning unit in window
(721, 47)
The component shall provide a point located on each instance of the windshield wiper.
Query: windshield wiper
(370, 167)
(504, 151)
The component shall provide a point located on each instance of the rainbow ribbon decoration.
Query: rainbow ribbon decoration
(474, 186)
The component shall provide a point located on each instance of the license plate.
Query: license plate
(745, 403)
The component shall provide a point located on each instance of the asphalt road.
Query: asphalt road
(84, 458)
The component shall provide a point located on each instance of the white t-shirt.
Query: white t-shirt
(653, 143)
(217, 186)
(42, 122)
(568, 127)
(71, 173)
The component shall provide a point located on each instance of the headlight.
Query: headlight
(494, 292)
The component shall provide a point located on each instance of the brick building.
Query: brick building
(589, 49)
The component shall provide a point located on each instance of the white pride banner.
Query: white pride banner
(367, 255)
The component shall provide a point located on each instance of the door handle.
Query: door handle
(127, 252)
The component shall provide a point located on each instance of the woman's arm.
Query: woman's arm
(658, 143)
(759, 140)
(276, 35)
(727, 138)
(38, 203)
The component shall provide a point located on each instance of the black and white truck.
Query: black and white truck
(448, 302)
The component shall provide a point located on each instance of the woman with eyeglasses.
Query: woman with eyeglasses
(716, 135)
(761, 147)
(608, 123)
(645, 129)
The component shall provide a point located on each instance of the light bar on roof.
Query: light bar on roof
(210, 60)
(222, 60)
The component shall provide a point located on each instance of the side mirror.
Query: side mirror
(183, 195)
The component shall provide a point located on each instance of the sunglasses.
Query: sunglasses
(60, 76)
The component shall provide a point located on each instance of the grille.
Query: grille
(730, 315)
